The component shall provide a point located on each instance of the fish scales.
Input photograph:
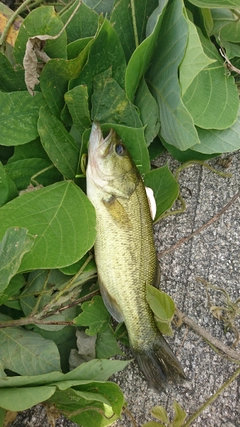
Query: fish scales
(125, 252)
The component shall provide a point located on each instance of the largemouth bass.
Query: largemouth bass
(125, 252)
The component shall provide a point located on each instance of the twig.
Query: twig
(199, 230)
(212, 398)
(208, 337)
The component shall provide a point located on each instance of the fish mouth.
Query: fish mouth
(97, 142)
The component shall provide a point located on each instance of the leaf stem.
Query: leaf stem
(212, 398)
(134, 23)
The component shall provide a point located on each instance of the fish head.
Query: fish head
(110, 166)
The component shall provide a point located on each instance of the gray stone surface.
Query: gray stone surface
(213, 255)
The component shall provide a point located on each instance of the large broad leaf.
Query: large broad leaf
(110, 104)
(62, 219)
(13, 289)
(15, 399)
(195, 60)
(95, 370)
(83, 24)
(100, 6)
(55, 78)
(177, 126)
(130, 24)
(60, 146)
(107, 345)
(149, 112)
(41, 170)
(15, 243)
(212, 97)
(141, 57)
(105, 51)
(104, 402)
(8, 189)
(26, 352)
(42, 21)
(187, 155)
(30, 150)
(164, 186)
(18, 117)
(94, 315)
(11, 80)
(215, 141)
(216, 3)
(78, 105)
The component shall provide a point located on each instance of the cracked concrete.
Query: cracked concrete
(214, 256)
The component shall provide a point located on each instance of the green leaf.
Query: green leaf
(22, 171)
(180, 415)
(231, 31)
(26, 352)
(149, 113)
(18, 117)
(100, 6)
(164, 186)
(216, 3)
(13, 289)
(30, 150)
(187, 155)
(212, 97)
(15, 399)
(55, 79)
(11, 80)
(60, 146)
(195, 60)
(42, 21)
(216, 141)
(104, 52)
(177, 126)
(106, 345)
(161, 303)
(15, 243)
(91, 405)
(160, 413)
(78, 105)
(142, 55)
(95, 370)
(78, 46)
(8, 190)
(83, 24)
(153, 424)
(94, 315)
(2, 416)
(124, 18)
(62, 219)
(110, 104)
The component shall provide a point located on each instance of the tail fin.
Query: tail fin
(159, 364)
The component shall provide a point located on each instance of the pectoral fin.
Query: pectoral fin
(116, 210)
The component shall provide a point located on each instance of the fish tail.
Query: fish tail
(159, 364)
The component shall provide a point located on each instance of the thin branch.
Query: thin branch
(199, 230)
(208, 337)
(212, 398)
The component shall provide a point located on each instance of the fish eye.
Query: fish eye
(120, 149)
